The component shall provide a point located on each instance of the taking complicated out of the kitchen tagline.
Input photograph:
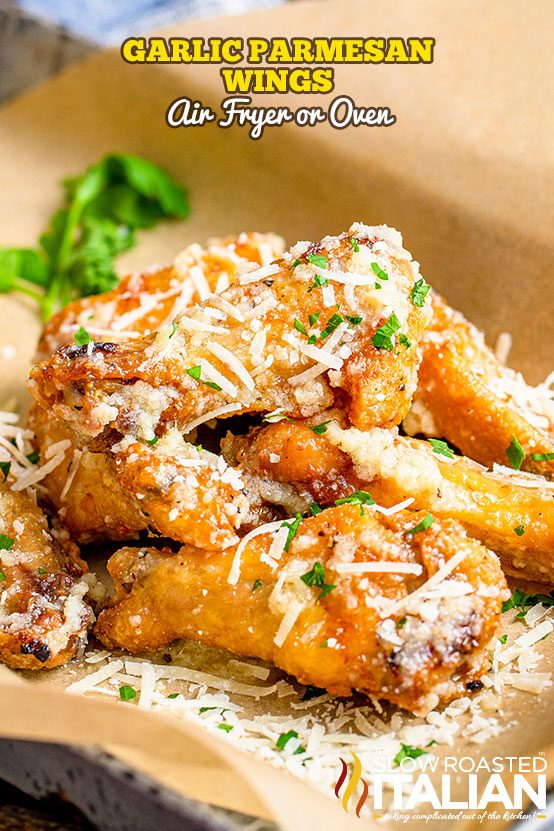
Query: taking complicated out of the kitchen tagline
(279, 65)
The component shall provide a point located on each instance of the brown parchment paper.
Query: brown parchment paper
(465, 174)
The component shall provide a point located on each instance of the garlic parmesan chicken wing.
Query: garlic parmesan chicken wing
(329, 321)
(43, 615)
(513, 514)
(142, 302)
(345, 601)
(468, 397)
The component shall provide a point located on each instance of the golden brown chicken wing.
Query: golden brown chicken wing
(511, 514)
(333, 320)
(467, 396)
(345, 600)
(43, 615)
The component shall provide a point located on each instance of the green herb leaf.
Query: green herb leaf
(320, 429)
(295, 263)
(284, 738)
(382, 339)
(2, 576)
(127, 693)
(314, 509)
(300, 327)
(213, 385)
(314, 318)
(81, 336)
(174, 327)
(318, 259)
(378, 271)
(5, 469)
(355, 244)
(34, 457)
(419, 292)
(408, 751)
(542, 457)
(319, 281)
(194, 372)
(173, 695)
(257, 584)
(404, 341)
(360, 498)
(355, 320)
(503, 638)
(521, 600)
(5, 543)
(425, 523)
(152, 442)
(442, 448)
(226, 727)
(293, 527)
(41, 571)
(334, 321)
(316, 578)
(515, 454)
(520, 530)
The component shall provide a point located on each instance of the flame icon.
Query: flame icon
(352, 784)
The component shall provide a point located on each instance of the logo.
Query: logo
(353, 782)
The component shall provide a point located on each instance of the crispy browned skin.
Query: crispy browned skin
(140, 386)
(394, 468)
(463, 395)
(43, 617)
(168, 290)
(341, 642)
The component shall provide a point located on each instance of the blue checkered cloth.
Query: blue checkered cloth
(107, 22)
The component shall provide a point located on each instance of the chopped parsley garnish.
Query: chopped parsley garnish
(442, 448)
(319, 280)
(520, 530)
(174, 695)
(257, 584)
(311, 340)
(378, 286)
(5, 543)
(318, 259)
(34, 457)
(408, 751)
(127, 693)
(226, 727)
(194, 372)
(425, 523)
(293, 527)
(152, 442)
(334, 321)
(316, 577)
(325, 644)
(404, 340)
(299, 326)
(401, 623)
(5, 469)
(174, 327)
(503, 638)
(382, 339)
(81, 336)
(355, 320)
(515, 454)
(41, 570)
(378, 271)
(284, 738)
(314, 318)
(320, 429)
(419, 292)
(314, 509)
(355, 244)
(312, 692)
(360, 498)
(295, 263)
(212, 384)
(2, 576)
(521, 600)
(542, 457)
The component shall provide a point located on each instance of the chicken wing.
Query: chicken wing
(467, 396)
(357, 602)
(282, 342)
(143, 302)
(43, 615)
(511, 514)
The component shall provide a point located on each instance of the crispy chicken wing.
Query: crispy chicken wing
(143, 302)
(347, 607)
(467, 396)
(512, 514)
(280, 341)
(43, 615)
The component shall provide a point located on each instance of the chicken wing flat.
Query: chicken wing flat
(357, 602)
(142, 302)
(511, 514)
(330, 320)
(43, 615)
(467, 396)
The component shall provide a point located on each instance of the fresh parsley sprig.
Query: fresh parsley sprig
(102, 210)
